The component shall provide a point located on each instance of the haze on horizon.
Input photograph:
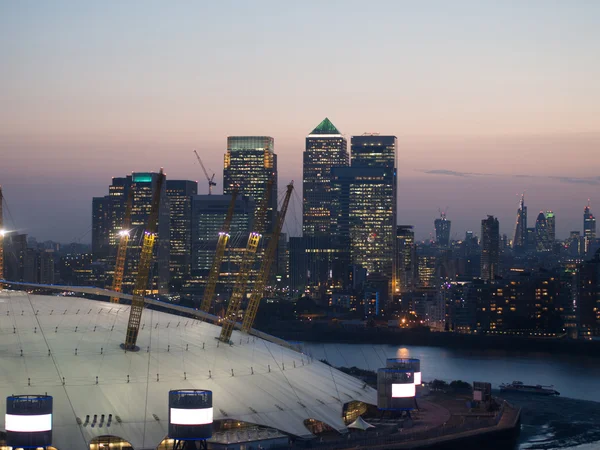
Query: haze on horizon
(488, 99)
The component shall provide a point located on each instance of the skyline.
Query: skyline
(487, 100)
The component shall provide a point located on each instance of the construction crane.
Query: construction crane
(265, 268)
(122, 249)
(213, 275)
(1, 238)
(141, 282)
(241, 281)
(211, 183)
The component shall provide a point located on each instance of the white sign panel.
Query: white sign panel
(403, 390)
(417, 378)
(28, 424)
(201, 416)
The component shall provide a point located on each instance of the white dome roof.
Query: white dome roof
(270, 385)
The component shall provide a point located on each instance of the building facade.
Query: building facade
(442, 230)
(490, 248)
(520, 238)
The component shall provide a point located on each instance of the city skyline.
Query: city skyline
(122, 98)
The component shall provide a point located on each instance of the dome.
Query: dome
(68, 347)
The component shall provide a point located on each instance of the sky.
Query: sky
(488, 100)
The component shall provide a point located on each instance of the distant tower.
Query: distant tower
(442, 230)
(490, 248)
(520, 240)
(551, 225)
(542, 240)
(589, 228)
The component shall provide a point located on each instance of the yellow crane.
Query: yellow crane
(241, 281)
(141, 282)
(265, 268)
(213, 275)
(122, 249)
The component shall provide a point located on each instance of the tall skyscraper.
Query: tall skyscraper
(442, 230)
(520, 239)
(180, 194)
(325, 148)
(551, 225)
(490, 248)
(250, 162)
(365, 204)
(406, 252)
(589, 229)
(143, 185)
(542, 239)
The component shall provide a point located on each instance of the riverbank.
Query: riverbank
(391, 336)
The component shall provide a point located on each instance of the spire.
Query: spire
(522, 204)
(325, 127)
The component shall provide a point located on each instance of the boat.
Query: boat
(518, 386)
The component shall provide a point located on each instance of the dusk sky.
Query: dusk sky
(488, 99)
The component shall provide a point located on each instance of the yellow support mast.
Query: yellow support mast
(141, 282)
(213, 275)
(265, 268)
(241, 281)
(122, 249)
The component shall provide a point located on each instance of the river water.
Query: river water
(548, 422)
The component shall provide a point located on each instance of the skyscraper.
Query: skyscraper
(551, 225)
(542, 239)
(180, 194)
(442, 230)
(250, 162)
(406, 258)
(589, 228)
(490, 248)
(365, 204)
(520, 239)
(143, 185)
(325, 148)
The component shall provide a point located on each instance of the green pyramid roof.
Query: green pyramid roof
(325, 127)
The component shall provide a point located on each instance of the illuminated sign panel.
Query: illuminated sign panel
(202, 416)
(417, 378)
(403, 390)
(28, 424)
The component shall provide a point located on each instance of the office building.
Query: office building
(589, 229)
(520, 238)
(179, 193)
(406, 258)
(442, 230)
(551, 226)
(542, 237)
(109, 222)
(364, 205)
(490, 248)
(250, 162)
(325, 148)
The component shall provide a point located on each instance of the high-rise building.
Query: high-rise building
(100, 227)
(365, 204)
(406, 258)
(325, 148)
(490, 248)
(589, 229)
(442, 230)
(520, 239)
(588, 298)
(208, 216)
(542, 238)
(250, 162)
(143, 185)
(551, 226)
(180, 194)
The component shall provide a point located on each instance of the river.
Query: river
(548, 423)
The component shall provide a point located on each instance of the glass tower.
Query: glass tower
(249, 163)
(589, 228)
(442, 230)
(490, 248)
(520, 239)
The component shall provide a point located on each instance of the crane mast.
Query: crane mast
(210, 180)
(265, 268)
(122, 249)
(241, 281)
(213, 275)
(141, 282)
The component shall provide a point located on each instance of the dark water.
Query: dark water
(571, 421)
